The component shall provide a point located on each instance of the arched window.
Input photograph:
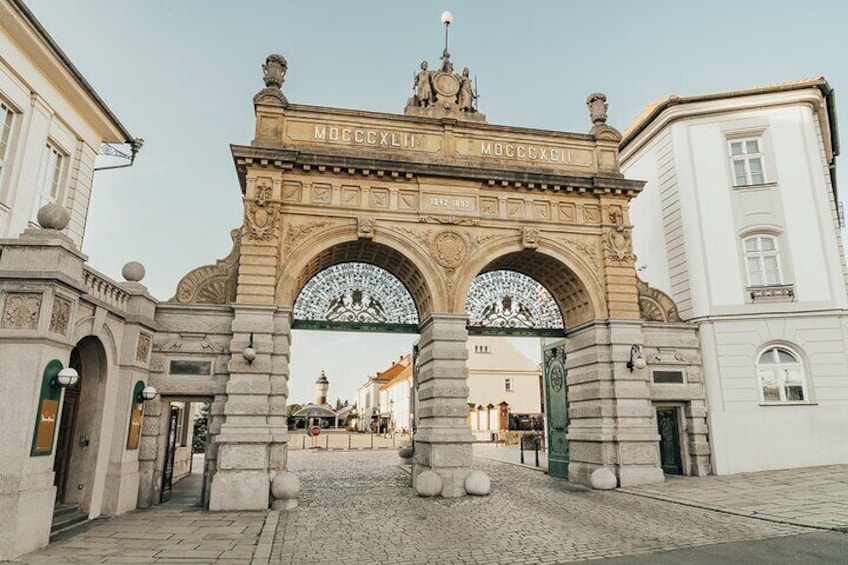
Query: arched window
(762, 260)
(781, 376)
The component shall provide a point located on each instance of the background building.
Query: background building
(739, 223)
(504, 391)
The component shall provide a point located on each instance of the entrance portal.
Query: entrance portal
(435, 203)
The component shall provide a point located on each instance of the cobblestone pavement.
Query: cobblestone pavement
(165, 534)
(358, 508)
(511, 454)
(813, 496)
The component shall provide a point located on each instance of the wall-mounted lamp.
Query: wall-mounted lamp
(66, 377)
(248, 352)
(637, 359)
(147, 393)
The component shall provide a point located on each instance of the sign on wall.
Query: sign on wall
(136, 406)
(48, 411)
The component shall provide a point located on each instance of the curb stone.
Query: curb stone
(723, 510)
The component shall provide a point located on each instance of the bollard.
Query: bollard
(327, 442)
(304, 442)
(372, 441)
(348, 441)
(536, 449)
(521, 443)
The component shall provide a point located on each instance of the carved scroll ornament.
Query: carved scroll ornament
(655, 305)
(212, 284)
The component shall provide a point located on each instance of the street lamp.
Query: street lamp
(148, 393)
(66, 377)
(637, 359)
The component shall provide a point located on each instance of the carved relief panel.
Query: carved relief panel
(21, 311)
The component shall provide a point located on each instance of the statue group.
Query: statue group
(444, 88)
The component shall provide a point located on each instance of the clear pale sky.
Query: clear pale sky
(182, 74)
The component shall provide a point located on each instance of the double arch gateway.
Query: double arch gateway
(441, 224)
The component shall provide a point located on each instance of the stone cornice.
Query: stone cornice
(346, 162)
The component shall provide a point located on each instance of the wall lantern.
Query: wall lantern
(66, 377)
(248, 352)
(637, 359)
(148, 393)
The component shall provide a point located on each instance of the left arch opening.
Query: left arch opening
(355, 296)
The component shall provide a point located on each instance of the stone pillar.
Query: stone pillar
(612, 421)
(252, 441)
(443, 438)
(149, 477)
(279, 393)
(41, 280)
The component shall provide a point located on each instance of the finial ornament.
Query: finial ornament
(274, 70)
(597, 103)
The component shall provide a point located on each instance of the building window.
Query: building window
(762, 261)
(49, 178)
(481, 349)
(508, 385)
(781, 376)
(7, 117)
(747, 159)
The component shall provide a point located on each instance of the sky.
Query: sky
(182, 74)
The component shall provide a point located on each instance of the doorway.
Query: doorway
(668, 428)
(184, 466)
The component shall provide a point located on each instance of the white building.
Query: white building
(52, 125)
(739, 223)
(502, 383)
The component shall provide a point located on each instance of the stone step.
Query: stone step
(66, 517)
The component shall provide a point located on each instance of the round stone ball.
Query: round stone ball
(603, 479)
(478, 483)
(428, 483)
(405, 451)
(53, 217)
(285, 486)
(133, 271)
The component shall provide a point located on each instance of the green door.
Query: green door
(556, 409)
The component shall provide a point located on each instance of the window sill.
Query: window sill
(772, 293)
(796, 403)
(755, 186)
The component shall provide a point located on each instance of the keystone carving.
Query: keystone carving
(60, 316)
(655, 305)
(529, 238)
(365, 228)
(21, 311)
(212, 284)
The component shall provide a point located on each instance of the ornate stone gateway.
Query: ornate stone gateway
(461, 226)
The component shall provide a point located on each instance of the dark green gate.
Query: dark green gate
(556, 408)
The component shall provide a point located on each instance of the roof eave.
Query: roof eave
(74, 72)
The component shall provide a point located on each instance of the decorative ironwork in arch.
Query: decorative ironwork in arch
(356, 296)
(505, 301)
